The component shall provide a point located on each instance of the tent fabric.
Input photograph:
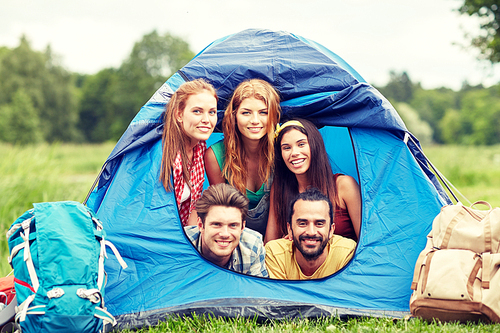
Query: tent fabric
(365, 138)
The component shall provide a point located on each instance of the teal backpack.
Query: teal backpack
(57, 250)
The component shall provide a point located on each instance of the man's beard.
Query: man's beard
(308, 255)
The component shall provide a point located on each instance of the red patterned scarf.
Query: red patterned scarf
(197, 174)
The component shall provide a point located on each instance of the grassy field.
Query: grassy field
(44, 173)
(474, 171)
(66, 172)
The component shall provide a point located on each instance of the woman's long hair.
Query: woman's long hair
(174, 137)
(234, 170)
(319, 174)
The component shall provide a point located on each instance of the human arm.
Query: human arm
(212, 168)
(349, 196)
(258, 267)
(193, 218)
(273, 230)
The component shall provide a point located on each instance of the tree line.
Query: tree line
(470, 116)
(40, 101)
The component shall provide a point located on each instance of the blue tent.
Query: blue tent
(365, 138)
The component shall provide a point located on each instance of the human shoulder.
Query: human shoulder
(193, 233)
(347, 188)
(338, 241)
(345, 182)
(341, 250)
(279, 246)
(279, 259)
(253, 254)
(250, 236)
(218, 148)
(251, 240)
(214, 163)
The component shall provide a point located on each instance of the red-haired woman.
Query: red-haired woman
(245, 157)
(190, 119)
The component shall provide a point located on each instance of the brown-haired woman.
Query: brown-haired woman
(302, 162)
(245, 157)
(190, 119)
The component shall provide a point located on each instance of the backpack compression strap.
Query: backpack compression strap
(24, 306)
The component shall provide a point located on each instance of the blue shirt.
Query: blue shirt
(249, 257)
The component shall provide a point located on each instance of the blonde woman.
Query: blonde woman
(190, 119)
(245, 157)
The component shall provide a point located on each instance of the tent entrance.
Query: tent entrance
(338, 145)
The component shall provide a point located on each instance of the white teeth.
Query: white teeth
(298, 161)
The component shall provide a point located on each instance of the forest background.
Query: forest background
(41, 101)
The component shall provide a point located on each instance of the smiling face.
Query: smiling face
(220, 234)
(199, 117)
(251, 118)
(296, 152)
(310, 228)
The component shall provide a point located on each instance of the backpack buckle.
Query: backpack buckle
(92, 295)
(55, 293)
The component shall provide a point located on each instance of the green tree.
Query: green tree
(20, 123)
(157, 56)
(421, 129)
(466, 87)
(111, 98)
(60, 113)
(22, 68)
(3, 50)
(480, 115)
(431, 105)
(400, 88)
(49, 86)
(151, 62)
(488, 41)
(98, 111)
(451, 127)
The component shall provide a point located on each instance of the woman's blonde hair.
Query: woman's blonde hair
(235, 170)
(174, 137)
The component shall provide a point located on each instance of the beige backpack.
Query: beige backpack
(456, 275)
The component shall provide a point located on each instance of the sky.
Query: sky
(425, 38)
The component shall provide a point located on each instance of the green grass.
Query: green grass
(474, 171)
(66, 172)
(44, 173)
(330, 324)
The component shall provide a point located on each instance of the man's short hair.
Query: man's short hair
(221, 195)
(311, 194)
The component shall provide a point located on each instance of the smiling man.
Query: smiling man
(315, 251)
(220, 235)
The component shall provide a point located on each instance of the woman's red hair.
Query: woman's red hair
(234, 169)
(174, 138)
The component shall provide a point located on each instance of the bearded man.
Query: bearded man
(315, 251)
